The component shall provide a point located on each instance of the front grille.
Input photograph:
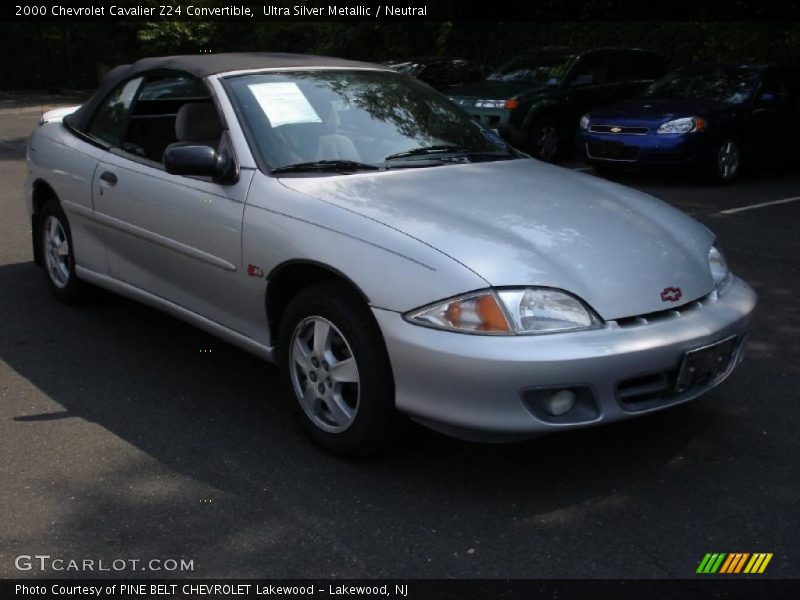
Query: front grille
(675, 312)
(612, 151)
(661, 388)
(619, 129)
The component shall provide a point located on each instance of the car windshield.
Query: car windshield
(356, 117)
(544, 68)
(727, 85)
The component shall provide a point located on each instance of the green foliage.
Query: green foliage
(175, 37)
(72, 55)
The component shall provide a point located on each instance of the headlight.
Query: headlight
(584, 123)
(496, 103)
(509, 312)
(684, 125)
(718, 266)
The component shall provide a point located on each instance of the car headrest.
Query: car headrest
(197, 122)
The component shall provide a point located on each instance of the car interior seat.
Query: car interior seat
(332, 145)
(197, 123)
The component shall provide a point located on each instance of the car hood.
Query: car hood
(652, 110)
(524, 222)
(495, 90)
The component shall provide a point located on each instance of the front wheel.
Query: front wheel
(727, 162)
(58, 257)
(336, 369)
(545, 141)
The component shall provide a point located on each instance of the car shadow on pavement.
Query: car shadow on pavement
(215, 422)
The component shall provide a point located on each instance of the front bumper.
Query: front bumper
(486, 387)
(645, 151)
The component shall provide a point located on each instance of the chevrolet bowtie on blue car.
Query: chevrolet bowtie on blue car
(707, 119)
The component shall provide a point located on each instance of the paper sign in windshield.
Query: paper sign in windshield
(284, 103)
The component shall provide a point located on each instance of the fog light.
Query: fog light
(561, 402)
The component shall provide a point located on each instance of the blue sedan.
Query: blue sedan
(706, 119)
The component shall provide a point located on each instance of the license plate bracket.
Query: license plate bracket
(704, 365)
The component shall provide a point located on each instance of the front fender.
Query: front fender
(392, 269)
(537, 109)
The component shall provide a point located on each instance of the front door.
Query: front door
(176, 237)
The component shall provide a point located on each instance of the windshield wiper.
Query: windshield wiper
(427, 150)
(333, 166)
(447, 148)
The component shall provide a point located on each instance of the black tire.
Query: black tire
(716, 172)
(64, 284)
(374, 421)
(545, 140)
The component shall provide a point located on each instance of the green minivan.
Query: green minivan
(537, 98)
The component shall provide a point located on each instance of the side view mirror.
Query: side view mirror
(585, 79)
(200, 161)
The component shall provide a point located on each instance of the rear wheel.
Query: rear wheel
(336, 369)
(727, 162)
(55, 238)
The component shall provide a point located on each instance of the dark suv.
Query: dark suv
(536, 99)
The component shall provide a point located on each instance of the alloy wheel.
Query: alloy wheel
(324, 374)
(56, 252)
(547, 141)
(728, 160)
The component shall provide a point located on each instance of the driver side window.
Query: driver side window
(110, 122)
(175, 108)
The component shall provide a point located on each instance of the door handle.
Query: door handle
(109, 178)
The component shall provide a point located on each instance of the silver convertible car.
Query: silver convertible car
(390, 254)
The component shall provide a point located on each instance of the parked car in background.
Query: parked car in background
(388, 252)
(709, 119)
(537, 98)
(439, 72)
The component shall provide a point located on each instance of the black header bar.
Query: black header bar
(411, 589)
(400, 10)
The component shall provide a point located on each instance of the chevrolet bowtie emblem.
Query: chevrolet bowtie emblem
(616, 129)
(671, 294)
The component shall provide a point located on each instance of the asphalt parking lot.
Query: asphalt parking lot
(125, 433)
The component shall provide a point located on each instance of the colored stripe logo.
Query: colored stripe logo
(734, 562)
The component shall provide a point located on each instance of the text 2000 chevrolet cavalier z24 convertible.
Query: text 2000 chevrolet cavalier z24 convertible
(389, 253)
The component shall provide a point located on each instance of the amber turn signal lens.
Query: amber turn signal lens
(453, 313)
(491, 315)
(511, 104)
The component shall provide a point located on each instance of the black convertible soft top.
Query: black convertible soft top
(203, 65)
